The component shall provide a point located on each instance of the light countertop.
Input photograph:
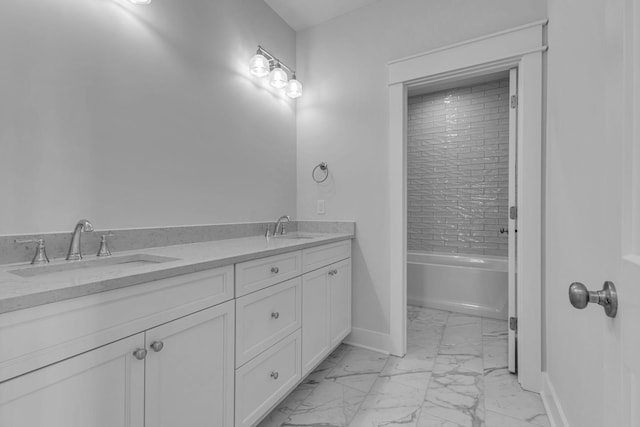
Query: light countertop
(17, 292)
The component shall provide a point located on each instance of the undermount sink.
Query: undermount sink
(92, 266)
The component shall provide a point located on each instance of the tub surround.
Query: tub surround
(22, 292)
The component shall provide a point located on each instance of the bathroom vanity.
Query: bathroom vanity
(216, 335)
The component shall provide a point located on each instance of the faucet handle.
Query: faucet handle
(104, 247)
(40, 257)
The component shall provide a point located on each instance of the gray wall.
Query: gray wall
(141, 116)
(458, 170)
(343, 119)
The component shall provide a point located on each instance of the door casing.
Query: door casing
(520, 48)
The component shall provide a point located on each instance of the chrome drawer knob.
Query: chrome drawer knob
(275, 314)
(140, 353)
(274, 375)
(580, 297)
(157, 346)
(275, 270)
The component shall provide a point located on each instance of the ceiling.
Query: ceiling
(301, 14)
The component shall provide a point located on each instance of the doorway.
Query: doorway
(519, 48)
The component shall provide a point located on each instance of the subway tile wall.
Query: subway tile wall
(458, 170)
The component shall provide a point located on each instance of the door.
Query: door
(340, 296)
(101, 388)
(315, 318)
(190, 370)
(513, 219)
(622, 351)
(605, 231)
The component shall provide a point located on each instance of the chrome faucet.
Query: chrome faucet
(75, 252)
(279, 224)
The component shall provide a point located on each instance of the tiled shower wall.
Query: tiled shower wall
(458, 170)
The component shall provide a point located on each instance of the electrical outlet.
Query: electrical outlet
(320, 207)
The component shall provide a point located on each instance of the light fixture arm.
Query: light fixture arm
(273, 60)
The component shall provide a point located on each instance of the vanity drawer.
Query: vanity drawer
(319, 256)
(265, 317)
(264, 380)
(260, 273)
(46, 334)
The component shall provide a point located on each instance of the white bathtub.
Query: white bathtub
(466, 284)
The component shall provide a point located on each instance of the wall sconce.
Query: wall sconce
(264, 64)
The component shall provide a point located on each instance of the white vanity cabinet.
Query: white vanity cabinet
(219, 347)
(326, 311)
(101, 388)
(70, 372)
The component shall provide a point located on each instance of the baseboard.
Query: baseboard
(552, 404)
(368, 339)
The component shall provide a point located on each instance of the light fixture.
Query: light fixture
(140, 1)
(278, 77)
(264, 64)
(294, 88)
(259, 65)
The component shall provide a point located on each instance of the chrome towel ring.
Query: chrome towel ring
(324, 167)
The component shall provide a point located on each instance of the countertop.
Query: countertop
(18, 292)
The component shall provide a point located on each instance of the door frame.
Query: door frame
(521, 47)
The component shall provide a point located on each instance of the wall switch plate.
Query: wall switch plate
(320, 207)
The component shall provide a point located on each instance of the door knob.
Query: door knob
(580, 297)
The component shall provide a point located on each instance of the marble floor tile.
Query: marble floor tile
(455, 395)
(330, 404)
(454, 375)
(504, 395)
(495, 419)
(358, 361)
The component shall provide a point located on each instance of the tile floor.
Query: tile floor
(454, 375)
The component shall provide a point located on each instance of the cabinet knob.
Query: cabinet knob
(140, 353)
(157, 346)
(274, 375)
(275, 270)
(275, 314)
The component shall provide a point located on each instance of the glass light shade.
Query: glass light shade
(140, 1)
(279, 78)
(294, 88)
(259, 66)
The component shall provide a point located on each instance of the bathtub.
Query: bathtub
(466, 284)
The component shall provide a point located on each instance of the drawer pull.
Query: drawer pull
(275, 270)
(157, 346)
(275, 314)
(140, 353)
(333, 272)
(274, 375)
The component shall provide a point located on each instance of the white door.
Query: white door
(101, 388)
(513, 185)
(190, 370)
(615, 214)
(622, 341)
(340, 291)
(315, 318)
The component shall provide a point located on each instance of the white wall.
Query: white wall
(138, 116)
(580, 187)
(343, 118)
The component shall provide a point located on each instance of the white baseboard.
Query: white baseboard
(368, 339)
(555, 413)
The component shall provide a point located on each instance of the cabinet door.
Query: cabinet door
(101, 388)
(315, 318)
(190, 369)
(340, 297)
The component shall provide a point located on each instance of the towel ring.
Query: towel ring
(324, 167)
